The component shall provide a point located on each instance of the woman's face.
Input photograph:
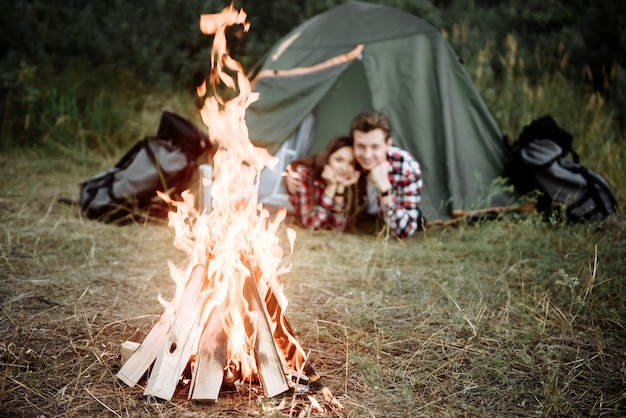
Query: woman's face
(342, 162)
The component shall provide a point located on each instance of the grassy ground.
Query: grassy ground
(512, 317)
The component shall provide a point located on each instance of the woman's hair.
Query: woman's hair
(317, 162)
(369, 121)
(355, 194)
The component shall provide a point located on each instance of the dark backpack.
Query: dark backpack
(543, 160)
(166, 162)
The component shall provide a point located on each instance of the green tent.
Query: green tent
(362, 56)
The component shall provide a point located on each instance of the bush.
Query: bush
(159, 40)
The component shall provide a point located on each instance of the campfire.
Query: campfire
(226, 322)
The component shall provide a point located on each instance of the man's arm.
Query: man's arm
(400, 206)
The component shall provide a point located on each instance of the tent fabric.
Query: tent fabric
(406, 70)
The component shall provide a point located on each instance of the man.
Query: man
(394, 177)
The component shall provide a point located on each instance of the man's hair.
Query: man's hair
(369, 121)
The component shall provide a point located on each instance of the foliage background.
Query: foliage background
(158, 43)
(86, 80)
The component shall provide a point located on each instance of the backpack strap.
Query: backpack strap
(600, 192)
(597, 190)
(128, 158)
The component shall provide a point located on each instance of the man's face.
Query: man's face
(370, 148)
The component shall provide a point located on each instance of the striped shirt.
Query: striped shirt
(403, 213)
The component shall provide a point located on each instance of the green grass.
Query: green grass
(506, 318)
(513, 317)
(85, 117)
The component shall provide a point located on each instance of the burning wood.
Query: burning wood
(227, 320)
(142, 358)
(210, 360)
(270, 367)
(171, 345)
(180, 342)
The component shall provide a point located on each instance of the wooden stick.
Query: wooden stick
(127, 349)
(144, 356)
(181, 340)
(286, 340)
(208, 375)
(269, 364)
(283, 334)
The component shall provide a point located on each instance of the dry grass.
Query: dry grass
(506, 318)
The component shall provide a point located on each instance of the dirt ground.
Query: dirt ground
(73, 290)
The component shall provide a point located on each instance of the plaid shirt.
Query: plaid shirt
(403, 211)
(321, 213)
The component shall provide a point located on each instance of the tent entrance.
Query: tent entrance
(349, 96)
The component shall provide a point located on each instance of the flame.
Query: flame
(237, 239)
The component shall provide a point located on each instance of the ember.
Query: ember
(227, 320)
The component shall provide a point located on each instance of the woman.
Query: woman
(327, 194)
